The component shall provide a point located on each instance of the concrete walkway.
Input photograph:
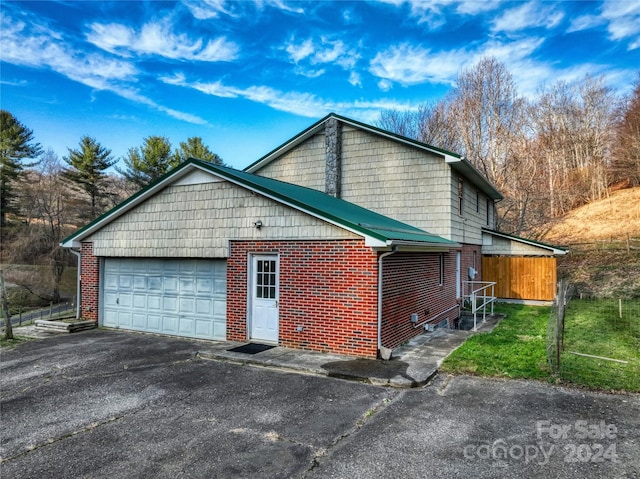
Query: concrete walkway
(412, 365)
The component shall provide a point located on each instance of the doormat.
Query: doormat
(251, 348)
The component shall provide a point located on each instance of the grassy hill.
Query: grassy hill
(604, 239)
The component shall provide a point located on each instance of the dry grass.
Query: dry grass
(604, 242)
(616, 217)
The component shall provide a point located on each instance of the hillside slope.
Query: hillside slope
(616, 217)
(604, 242)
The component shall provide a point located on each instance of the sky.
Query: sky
(246, 76)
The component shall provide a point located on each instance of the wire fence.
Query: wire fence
(594, 341)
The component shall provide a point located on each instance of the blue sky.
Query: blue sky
(246, 76)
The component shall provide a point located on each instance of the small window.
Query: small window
(441, 267)
(460, 195)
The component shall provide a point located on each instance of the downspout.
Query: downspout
(382, 256)
(78, 290)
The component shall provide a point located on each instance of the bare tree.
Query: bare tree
(573, 123)
(487, 113)
(626, 160)
(49, 205)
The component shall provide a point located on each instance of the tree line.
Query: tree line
(571, 144)
(43, 198)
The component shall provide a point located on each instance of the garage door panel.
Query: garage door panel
(170, 284)
(139, 282)
(139, 321)
(110, 281)
(168, 296)
(125, 300)
(110, 318)
(187, 326)
(204, 286)
(124, 319)
(139, 301)
(186, 305)
(220, 309)
(170, 304)
(170, 324)
(203, 328)
(154, 284)
(154, 322)
(154, 302)
(187, 285)
(110, 298)
(219, 330)
(204, 306)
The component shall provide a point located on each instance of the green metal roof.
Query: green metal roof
(314, 202)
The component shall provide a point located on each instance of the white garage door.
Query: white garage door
(168, 296)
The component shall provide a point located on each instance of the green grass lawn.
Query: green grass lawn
(517, 348)
(597, 328)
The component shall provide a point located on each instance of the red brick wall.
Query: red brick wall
(329, 288)
(89, 283)
(466, 260)
(411, 285)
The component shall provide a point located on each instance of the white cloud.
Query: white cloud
(325, 50)
(158, 38)
(37, 46)
(44, 49)
(410, 64)
(436, 13)
(473, 7)
(300, 51)
(385, 85)
(309, 72)
(585, 22)
(309, 53)
(528, 15)
(303, 104)
(623, 21)
(355, 79)
(281, 5)
(207, 9)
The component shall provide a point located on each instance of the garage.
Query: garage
(180, 297)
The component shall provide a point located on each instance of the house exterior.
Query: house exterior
(345, 239)
(215, 253)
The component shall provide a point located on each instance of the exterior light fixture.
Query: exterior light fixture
(258, 224)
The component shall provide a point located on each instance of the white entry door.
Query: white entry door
(264, 298)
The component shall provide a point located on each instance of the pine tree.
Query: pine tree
(88, 164)
(16, 145)
(194, 148)
(149, 162)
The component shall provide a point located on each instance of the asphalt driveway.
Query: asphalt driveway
(114, 404)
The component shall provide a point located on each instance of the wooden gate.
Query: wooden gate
(521, 277)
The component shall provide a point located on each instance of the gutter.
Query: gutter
(78, 290)
(382, 256)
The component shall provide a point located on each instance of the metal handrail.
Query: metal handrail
(474, 296)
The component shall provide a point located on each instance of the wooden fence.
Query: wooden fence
(521, 277)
